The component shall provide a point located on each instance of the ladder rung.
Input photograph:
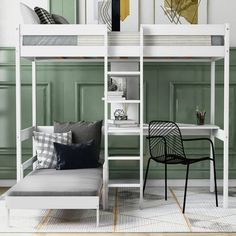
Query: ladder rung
(124, 158)
(124, 101)
(126, 184)
(123, 73)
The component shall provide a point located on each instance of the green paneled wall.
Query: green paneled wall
(64, 8)
(73, 91)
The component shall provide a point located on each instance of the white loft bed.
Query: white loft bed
(143, 52)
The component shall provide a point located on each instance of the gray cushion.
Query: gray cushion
(59, 19)
(45, 149)
(82, 131)
(51, 182)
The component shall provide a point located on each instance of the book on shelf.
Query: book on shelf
(123, 123)
(123, 126)
(115, 98)
(115, 93)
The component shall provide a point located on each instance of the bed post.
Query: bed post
(97, 211)
(19, 173)
(34, 101)
(105, 166)
(212, 120)
(8, 217)
(226, 118)
(141, 117)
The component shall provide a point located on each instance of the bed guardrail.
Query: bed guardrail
(28, 163)
(212, 50)
(27, 133)
(74, 50)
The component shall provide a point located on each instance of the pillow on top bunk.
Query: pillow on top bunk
(46, 154)
(44, 16)
(76, 156)
(28, 15)
(60, 19)
(82, 131)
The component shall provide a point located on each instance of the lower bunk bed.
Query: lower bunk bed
(53, 188)
(57, 189)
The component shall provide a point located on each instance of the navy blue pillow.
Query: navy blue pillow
(76, 156)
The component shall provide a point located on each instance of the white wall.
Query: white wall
(10, 18)
(8, 21)
(219, 11)
(223, 11)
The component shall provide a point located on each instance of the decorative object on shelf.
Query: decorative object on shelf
(200, 116)
(119, 114)
(111, 85)
(119, 15)
(180, 11)
(117, 84)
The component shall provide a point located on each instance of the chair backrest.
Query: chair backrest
(165, 139)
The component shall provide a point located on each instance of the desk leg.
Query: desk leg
(225, 173)
(212, 185)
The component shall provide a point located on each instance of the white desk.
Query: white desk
(211, 131)
(186, 129)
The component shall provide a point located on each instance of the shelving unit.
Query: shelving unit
(137, 131)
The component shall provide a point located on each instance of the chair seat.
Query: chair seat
(175, 159)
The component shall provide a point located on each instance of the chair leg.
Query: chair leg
(216, 194)
(165, 181)
(185, 189)
(146, 175)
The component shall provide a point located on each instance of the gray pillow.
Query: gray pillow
(82, 131)
(46, 153)
(60, 19)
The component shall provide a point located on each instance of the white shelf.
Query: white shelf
(124, 158)
(132, 183)
(124, 101)
(124, 130)
(123, 73)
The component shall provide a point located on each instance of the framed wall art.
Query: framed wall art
(180, 11)
(119, 15)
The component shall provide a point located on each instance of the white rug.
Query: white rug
(124, 214)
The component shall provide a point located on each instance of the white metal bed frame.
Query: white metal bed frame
(208, 54)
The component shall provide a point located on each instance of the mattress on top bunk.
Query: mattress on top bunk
(123, 39)
(51, 182)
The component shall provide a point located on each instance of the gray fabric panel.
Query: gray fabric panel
(59, 19)
(217, 40)
(51, 182)
(67, 40)
(124, 39)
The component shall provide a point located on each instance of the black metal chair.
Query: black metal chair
(166, 147)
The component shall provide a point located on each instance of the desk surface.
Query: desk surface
(186, 129)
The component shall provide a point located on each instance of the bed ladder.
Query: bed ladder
(121, 132)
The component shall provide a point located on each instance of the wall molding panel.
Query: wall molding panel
(70, 91)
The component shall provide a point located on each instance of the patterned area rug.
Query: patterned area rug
(124, 215)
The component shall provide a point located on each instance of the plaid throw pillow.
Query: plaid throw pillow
(44, 16)
(46, 154)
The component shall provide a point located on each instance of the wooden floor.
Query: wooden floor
(2, 190)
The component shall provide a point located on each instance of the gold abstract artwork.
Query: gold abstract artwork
(124, 9)
(175, 9)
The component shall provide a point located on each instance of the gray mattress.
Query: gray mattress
(51, 182)
(123, 39)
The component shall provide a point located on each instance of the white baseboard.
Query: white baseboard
(191, 182)
(156, 183)
(7, 182)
